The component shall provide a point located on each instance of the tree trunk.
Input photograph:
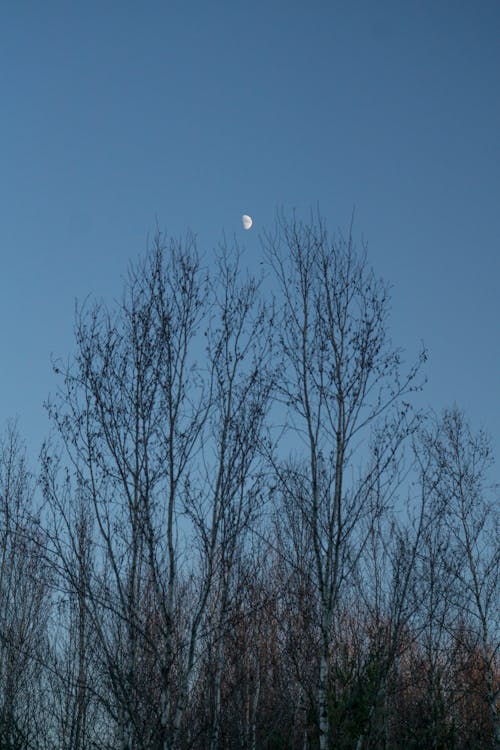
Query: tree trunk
(255, 703)
(214, 739)
(323, 700)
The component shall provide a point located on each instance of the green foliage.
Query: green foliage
(354, 709)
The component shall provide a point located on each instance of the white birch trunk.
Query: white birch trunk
(323, 701)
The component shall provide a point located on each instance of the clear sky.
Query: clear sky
(116, 115)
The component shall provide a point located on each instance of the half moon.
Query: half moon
(246, 221)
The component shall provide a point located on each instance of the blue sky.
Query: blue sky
(119, 115)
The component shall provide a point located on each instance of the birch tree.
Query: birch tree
(464, 460)
(129, 415)
(160, 415)
(239, 347)
(341, 379)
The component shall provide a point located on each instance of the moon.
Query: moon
(246, 221)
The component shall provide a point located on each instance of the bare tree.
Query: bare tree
(130, 413)
(239, 349)
(387, 581)
(341, 378)
(24, 602)
(472, 557)
(162, 445)
(233, 551)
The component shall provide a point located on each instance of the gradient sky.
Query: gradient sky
(116, 116)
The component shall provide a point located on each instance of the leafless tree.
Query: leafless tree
(160, 414)
(472, 557)
(341, 379)
(24, 602)
(130, 412)
(387, 580)
(239, 348)
(248, 537)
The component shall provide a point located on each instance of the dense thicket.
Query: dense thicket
(243, 535)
